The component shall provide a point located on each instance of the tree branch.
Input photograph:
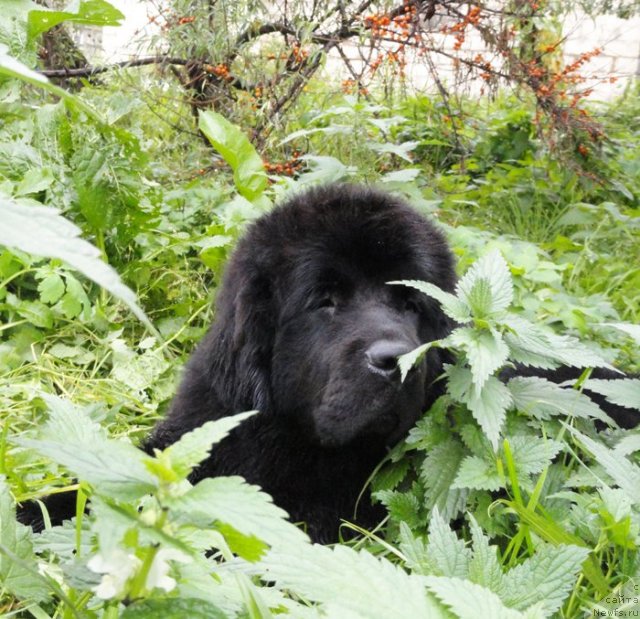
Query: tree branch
(90, 71)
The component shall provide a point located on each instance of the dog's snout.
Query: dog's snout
(382, 356)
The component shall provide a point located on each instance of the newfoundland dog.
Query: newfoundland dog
(307, 331)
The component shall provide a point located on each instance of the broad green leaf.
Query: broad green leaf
(18, 568)
(13, 68)
(400, 150)
(51, 288)
(542, 399)
(42, 231)
(541, 341)
(172, 608)
(470, 601)
(236, 149)
(368, 586)
(410, 359)
(628, 444)
(406, 175)
(69, 437)
(484, 567)
(437, 472)
(451, 305)
(477, 474)
(630, 329)
(89, 12)
(532, 454)
(414, 550)
(485, 350)
(548, 577)
(448, 555)
(623, 471)
(488, 407)
(622, 391)
(245, 507)
(35, 180)
(193, 447)
(487, 287)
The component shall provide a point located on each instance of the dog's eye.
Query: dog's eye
(327, 302)
(411, 305)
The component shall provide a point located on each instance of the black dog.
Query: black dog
(307, 331)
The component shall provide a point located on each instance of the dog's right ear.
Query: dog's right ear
(246, 324)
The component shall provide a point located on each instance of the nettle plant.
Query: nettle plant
(154, 544)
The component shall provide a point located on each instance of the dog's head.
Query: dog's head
(316, 327)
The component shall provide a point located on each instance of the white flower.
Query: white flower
(117, 566)
(158, 575)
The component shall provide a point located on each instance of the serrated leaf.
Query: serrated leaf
(414, 550)
(622, 391)
(451, 305)
(470, 601)
(193, 447)
(548, 576)
(173, 608)
(532, 454)
(542, 399)
(437, 474)
(448, 554)
(402, 506)
(488, 407)
(69, 437)
(18, 577)
(541, 342)
(630, 329)
(236, 149)
(628, 445)
(410, 359)
(477, 474)
(51, 288)
(487, 287)
(377, 589)
(622, 471)
(484, 567)
(42, 231)
(245, 507)
(485, 350)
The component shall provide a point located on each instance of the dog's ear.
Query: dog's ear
(251, 338)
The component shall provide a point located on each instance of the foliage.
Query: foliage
(504, 500)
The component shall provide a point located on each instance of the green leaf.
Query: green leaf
(485, 350)
(408, 360)
(42, 231)
(542, 342)
(377, 589)
(487, 287)
(51, 288)
(630, 329)
(172, 608)
(542, 399)
(477, 474)
(400, 150)
(548, 577)
(533, 454)
(13, 68)
(34, 181)
(488, 407)
(623, 471)
(193, 447)
(622, 391)
(451, 305)
(447, 554)
(18, 568)
(90, 13)
(470, 601)
(234, 146)
(245, 507)
(402, 506)
(69, 437)
(484, 567)
(437, 473)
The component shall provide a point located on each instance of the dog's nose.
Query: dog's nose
(382, 356)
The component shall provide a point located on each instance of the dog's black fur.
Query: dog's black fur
(307, 331)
